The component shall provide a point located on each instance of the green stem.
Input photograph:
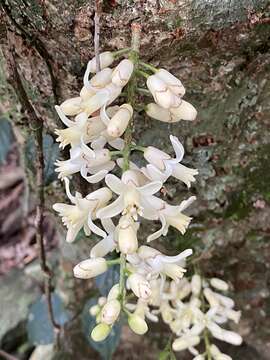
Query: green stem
(143, 73)
(116, 152)
(207, 344)
(113, 262)
(131, 96)
(144, 91)
(148, 66)
(121, 52)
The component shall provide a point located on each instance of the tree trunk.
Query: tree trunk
(220, 51)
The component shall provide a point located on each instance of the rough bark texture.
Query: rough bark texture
(220, 50)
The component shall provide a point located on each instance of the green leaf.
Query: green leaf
(51, 153)
(6, 138)
(106, 347)
(39, 327)
(106, 280)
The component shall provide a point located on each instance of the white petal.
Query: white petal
(95, 228)
(151, 188)
(95, 178)
(108, 225)
(69, 195)
(186, 203)
(160, 232)
(177, 258)
(112, 210)
(115, 184)
(103, 247)
(63, 117)
(99, 143)
(117, 143)
(178, 148)
(104, 116)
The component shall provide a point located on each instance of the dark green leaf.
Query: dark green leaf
(39, 327)
(106, 347)
(106, 280)
(51, 153)
(6, 138)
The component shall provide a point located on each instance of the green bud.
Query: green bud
(100, 332)
(137, 324)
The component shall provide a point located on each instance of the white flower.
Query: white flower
(170, 215)
(133, 199)
(90, 268)
(208, 321)
(82, 127)
(185, 111)
(152, 263)
(162, 165)
(85, 160)
(162, 93)
(122, 73)
(82, 212)
(106, 58)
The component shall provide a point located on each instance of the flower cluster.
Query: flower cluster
(98, 145)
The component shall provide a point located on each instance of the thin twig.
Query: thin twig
(7, 356)
(36, 125)
(97, 32)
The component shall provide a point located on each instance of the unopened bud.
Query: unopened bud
(106, 59)
(114, 292)
(71, 106)
(185, 342)
(140, 286)
(127, 235)
(110, 312)
(90, 268)
(120, 120)
(122, 73)
(173, 83)
(184, 111)
(196, 284)
(100, 332)
(162, 94)
(157, 112)
(211, 298)
(86, 93)
(137, 324)
(94, 310)
(219, 284)
(101, 79)
(156, 157)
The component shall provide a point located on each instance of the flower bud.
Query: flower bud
(106, 59)
(114, 292)
(94, 310)
(184, 291)
(137, 324)
(101, 79)
(86, 93)
(103, 195)
(219, 284)
(185, 342)
(162, 94)
(184, 111)
(127, 235)
(233, 315)
(196, 284)
(120, 120)
(211, 298)
(156, 157)
(71, 106)
(217, 354)
(122, 73)
(110, 312)
(198, 357)
(140, 286)
(95, 102)
(173, 83)
(100, 332)
(90, 268)
(157, 112)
